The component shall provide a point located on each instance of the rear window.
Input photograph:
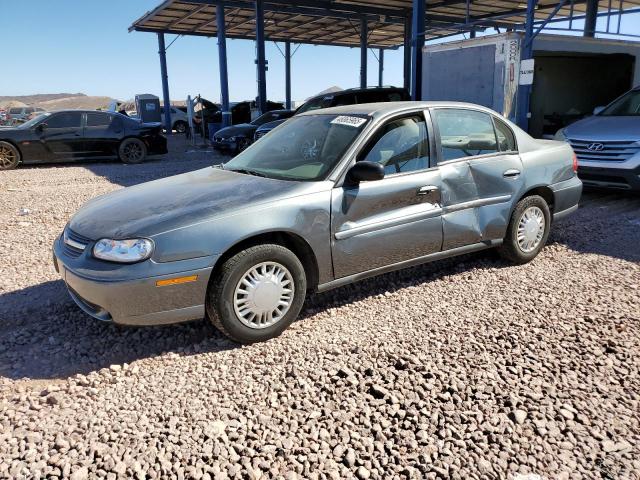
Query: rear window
(99, 119)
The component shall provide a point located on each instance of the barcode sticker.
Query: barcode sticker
(349, 121)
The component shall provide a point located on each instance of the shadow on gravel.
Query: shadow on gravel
(607, 223)
(44, 335)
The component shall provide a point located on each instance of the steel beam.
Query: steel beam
(222, 61)
(287, 74)
(526, 52)
(590, 18)
(162, 51)
(364, 32)
(380, 67)
(261, 60)
(417, 42)
(407, 53)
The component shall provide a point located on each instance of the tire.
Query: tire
(522, 243)
(9, 156)
(180, 126)
(241, 145)
(132, 150)
(225, 304)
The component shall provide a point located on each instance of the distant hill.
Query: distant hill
(39, 97)
(56, 101)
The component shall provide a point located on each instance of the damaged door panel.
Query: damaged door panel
(459, 193)
(498, 180)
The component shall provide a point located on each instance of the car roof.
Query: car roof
(384, 108)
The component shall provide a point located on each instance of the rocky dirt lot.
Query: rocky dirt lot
(467, 368)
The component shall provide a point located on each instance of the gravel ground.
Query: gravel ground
(466, 368)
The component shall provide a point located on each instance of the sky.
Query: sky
(84, 46)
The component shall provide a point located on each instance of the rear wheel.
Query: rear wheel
(528, 230)
(132, 150)
(9, 156)
(257, 293)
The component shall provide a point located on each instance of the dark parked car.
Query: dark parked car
(351, 96)
(329, 198)
(238, 137)
(80, 135)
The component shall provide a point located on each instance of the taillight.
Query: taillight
(575, 163)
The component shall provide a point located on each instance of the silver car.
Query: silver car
(328, 198)
(608, 144)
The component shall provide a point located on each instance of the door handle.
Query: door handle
(512, 173)
(427, 189)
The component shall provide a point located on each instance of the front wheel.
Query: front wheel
(9, 156)
(528, 230)
(257, 293)
(180, 127)
(132, 150)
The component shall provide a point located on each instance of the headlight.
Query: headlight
(560, 135)
(123, 251)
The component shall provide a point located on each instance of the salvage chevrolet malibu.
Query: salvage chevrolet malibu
(326, 199)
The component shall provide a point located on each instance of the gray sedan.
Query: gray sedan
(328, 198)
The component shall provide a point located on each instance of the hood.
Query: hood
(272, 125)
(234, 130)
(155, 207)
(605, 127)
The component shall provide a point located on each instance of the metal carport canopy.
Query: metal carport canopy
(380, 24)
(336, 22)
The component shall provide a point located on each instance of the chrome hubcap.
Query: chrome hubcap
(530, 229)
(263, 295)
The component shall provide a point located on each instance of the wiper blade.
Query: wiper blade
(247, 172)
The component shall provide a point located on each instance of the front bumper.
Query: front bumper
(224, 144)
(610, 177)
(119, 294)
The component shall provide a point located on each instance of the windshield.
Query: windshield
(304, 148)
(34, 120)
(627, 105)
(315, 104)
(267, 117)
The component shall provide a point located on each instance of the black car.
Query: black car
(238, 137)
(351, 96)
(80, 135)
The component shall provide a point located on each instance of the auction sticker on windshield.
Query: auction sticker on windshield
(349, 121)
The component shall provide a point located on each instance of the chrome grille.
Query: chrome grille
(73, 243)
(605, 151)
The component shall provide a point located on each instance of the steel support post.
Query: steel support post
(222, 62)
(162, 51)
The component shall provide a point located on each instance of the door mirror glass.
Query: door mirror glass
(597, 110)
(365, 172)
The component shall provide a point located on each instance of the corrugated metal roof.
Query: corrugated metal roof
(337, 22)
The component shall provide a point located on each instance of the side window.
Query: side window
(464, 133)
(394, 97)
(346, 99)
(506, 139)
(402, 145)
(99, 119)
(65, 120)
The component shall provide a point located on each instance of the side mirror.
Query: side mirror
(365, 172)
(41, 126)
(597, 110)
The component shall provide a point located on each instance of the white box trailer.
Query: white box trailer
(571, 75)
